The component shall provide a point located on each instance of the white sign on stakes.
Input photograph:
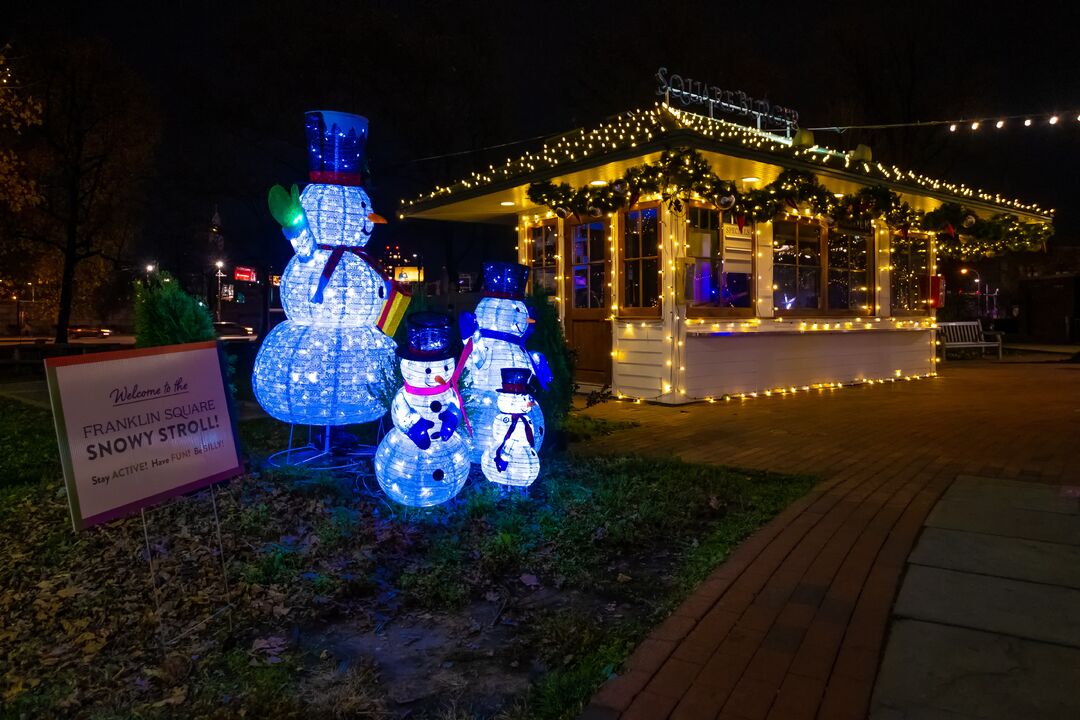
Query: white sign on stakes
(136, 427)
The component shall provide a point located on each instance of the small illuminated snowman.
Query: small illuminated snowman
(499, 330)
(423, 460)
(511, 459)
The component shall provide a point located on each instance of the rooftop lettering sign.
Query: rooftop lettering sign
(689, 91)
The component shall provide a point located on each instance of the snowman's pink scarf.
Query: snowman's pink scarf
(450, 384)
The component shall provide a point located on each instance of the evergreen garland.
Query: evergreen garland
(684, 174)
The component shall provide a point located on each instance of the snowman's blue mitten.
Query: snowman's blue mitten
(451, 418)
(468, 325)
(541, 369)
(418, 433)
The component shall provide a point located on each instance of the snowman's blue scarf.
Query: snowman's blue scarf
(500, 462)
(468, 325)
(539, 363)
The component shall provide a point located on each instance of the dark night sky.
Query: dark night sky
(231, 80)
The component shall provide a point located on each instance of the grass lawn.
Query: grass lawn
(341, 604)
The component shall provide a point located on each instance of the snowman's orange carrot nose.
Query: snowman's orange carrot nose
(439, 379)
(376, 218)
(530, 320)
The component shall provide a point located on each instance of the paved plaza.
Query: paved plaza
(943, 537)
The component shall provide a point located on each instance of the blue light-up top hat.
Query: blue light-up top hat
(516, 380)
(429, 337)
(505, 280)
(335, 147)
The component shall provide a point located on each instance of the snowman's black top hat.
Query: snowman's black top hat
(505, 280)
(516, 380)
(428, 337)
(335, 147)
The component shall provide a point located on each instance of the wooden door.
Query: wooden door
(588, 299)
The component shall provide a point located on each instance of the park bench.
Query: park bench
(966, 335)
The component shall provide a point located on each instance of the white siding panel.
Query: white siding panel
(752, 362)
(639, 368)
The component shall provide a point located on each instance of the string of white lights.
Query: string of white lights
(972, 123)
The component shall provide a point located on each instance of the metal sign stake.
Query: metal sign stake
(153, 580)
(221, 555)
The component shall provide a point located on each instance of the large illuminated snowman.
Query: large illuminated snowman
(499, 330)
(423, 460)
(326, 363)
(511, 458)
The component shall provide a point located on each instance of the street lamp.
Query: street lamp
(219, 264)
(32, 295)
(978, 286)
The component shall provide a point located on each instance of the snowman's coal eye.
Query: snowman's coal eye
(446, 368)
(427, 370)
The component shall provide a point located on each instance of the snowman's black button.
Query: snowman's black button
(436, 406)
(438, 475)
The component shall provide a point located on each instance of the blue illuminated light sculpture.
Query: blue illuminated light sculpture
(511, 457)
(498, 330)
(423, 460)
(326, 363)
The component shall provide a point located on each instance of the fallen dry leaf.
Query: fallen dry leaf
(176, 697)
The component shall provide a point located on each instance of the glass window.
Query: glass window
(641, 259)
(542, 249)
(848, 268)
(910, 276)
(721, 261)
(589, 283)
(796, 266)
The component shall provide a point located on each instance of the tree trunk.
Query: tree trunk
(67, 292)
(71, 258)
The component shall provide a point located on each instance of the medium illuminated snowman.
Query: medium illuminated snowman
(511, 459)
(326, 364)
(498, 330)
(423, 460)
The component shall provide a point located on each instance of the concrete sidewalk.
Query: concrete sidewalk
(794, 623)
(31, 392)
(1046, 348)
(987, 621)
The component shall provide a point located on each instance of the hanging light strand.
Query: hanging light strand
(999, 122)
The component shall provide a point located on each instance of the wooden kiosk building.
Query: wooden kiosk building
(736, 288)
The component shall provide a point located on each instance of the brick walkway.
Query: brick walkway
(792, 625)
